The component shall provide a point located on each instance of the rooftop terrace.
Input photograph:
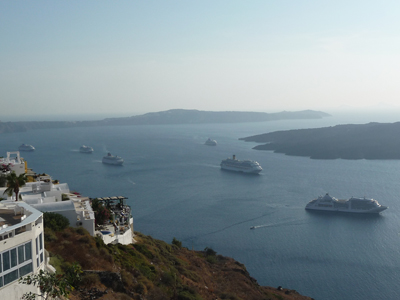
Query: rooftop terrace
(8, 217)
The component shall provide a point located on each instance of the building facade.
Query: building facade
(21, 248)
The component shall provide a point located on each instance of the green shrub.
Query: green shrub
(66, 234)
(82, 231)
(101, 213)
(103, 252)
(211, 259)
(168, 278)
(188, 294)
(54, 221)
(3, 182)
(84, 240)
(210, 252)
(176, 243)
(73, 273)
(127, 278)
(228, 297)
(49, 235)
(58, 263)
(144, 250)
(99, 242)
(140, 288)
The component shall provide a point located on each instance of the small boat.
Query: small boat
(112, 160)
(86, 149)
(210, 142)
(26, 147)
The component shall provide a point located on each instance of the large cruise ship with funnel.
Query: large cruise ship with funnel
(352, 205)
(245, 166)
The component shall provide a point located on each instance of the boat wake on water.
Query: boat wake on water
(224, 228)
(280, 224)
(131, 181)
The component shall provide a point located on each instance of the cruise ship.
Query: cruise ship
(245, 166)
(86, 149)
(112, 160)
(25, 147)
(211, 142)
(352, 205)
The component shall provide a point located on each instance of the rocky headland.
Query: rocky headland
(173, 116)
(152, 269)
(365, 141)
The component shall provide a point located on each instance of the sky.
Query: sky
(132, 57)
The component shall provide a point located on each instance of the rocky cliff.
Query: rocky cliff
(152, 269)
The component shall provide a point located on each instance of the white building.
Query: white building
(21, 248)
(120, 228)
(48, 196)
(13, 162)
(22, 229)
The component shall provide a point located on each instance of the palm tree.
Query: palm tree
(14, 182)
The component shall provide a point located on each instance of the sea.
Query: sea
(176, 188)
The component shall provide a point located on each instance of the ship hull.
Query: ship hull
(352, 211)
(113, 162)
(352, 205)
(233, 169)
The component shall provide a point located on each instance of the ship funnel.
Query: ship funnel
(234, 156)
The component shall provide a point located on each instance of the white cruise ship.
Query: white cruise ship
(112, 160)
(352, 205)
(86, 149)
(245, 166)
(211, 142)
(25, 147)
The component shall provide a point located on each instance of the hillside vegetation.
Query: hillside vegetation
(153, 269)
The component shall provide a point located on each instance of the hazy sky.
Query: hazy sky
(129, 57)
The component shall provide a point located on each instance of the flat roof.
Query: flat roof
(8, 217)
(11, 213)
(55, 206)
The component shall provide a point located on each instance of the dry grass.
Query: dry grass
(155, 270)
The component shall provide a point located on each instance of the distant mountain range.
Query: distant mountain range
(174, 116)
(366, 141)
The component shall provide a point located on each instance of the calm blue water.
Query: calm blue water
(176, 189)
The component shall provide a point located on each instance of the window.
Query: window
(41, 241)
(28, 251)
(13, 257)
(21, 256)
(25, 270)
(16, 262)
(10, 277)
(6, 260)
(41, 247)
(39, 250)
